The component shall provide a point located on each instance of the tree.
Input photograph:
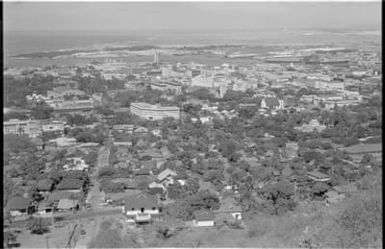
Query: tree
(111, 187)
(17, 144)
(202, 200)
(228, 149)
(246, 112)
(368, 159)
(15, 115)
(175, 191)
(42, 111)
(319, 189)
(38, 226)
(279, 197)
(9, 238)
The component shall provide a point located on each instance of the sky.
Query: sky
(122, 16)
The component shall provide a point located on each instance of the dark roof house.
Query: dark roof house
(204, 216)
(18, 203)
(70, 184)
(45, 185)
(139, 201)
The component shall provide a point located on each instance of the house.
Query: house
(345, 189)
(141, 208)
(333, 197)
(359, 150)
(272, 104)
(118, 199)
(44, 186)
(313, 125)
(18, 206)
(229, 210)
(45, 209)
(56, 196)
(291, 150)
(126, 128)
(128, 183)
(165, 152)
(141, 130)
(155, 154)
(156, 189)
(64, 141)
(53, 127)
(67, 205)
(318, 176)
(75, 163)
(166, 177)
(204, 219)
(70, 185)
(40, 145)
(142, 172)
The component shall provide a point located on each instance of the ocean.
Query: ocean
(18, 42)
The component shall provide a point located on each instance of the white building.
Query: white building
(154, 112)
(141, 208)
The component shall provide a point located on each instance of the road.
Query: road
(96, 197)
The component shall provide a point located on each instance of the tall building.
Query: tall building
(156, 57)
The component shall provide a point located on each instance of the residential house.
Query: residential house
(291, 150)
(313, 125)
(118, 199)
(76, 163)
(166, 154)
(204, 219)
(70, 185)
(61, 91)
(272, 104)
(18, 206)
(156, 189)
(125, 128)
(359, 150)
(333, 196)
(318, 176)
(45, 209)
(141, 208)
(141, 130)
(40, 145)
(229, 210)
(155, 154)
(128, 183)
(44, 186)
(67, 205)
(53, 127)
(166, 177)
(64, 141)
(142, 172)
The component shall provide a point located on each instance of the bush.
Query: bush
(107, 239)
(259, 230)
(105, 225)
(38, 226)
(361, 221)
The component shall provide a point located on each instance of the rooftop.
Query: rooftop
(364, 148)
(141, 201)
(69, 184)
(142, 105)
(204, 216)
(17, 203)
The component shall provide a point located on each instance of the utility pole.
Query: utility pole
(47, 240)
